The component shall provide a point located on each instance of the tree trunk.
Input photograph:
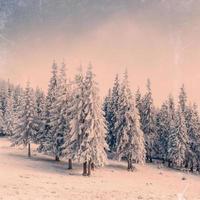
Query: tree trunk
(92, 166)
(186, 164)
(128, 167)
(89, 168)
(131, 166)
(57, 158)
(147, 158)
(85, 169)
(192, 166)
(29, 150)
(198, 168)
(70, 164)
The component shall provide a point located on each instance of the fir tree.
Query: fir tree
(178, 141)
(3, 96)
(24, 127)
(183, 100)
(130, 140)
(2, 124)
(76, 117)
(9, 114)
(46, 137)
(193, 122)
(17, 98)
(108, 116)
(162, 130)
(86, 140)
(187, 116)
(39, 103)
(138, 101)
(114, 115)
(60, 115)
(93, 145)
(148, 121)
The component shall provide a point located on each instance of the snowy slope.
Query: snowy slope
(42, 178)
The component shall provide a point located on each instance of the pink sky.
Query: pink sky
(167, 58)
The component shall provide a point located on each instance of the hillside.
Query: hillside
(42, 178)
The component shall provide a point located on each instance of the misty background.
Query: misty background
(156, 39)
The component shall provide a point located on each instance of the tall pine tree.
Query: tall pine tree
(24, 127)
(114, 115)
(46, 136)
(147, 114)
(130, 138)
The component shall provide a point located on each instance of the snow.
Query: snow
(40, 177)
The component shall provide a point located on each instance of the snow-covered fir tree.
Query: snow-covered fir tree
(147, 115)
(3, 95)
(164, 116)
(17, 97)
(171, 108)
(162, 130)
(24, 126)
(187, 115)
(114, 115)
(93, 146)
(138, 101)
(9, 114)
(108, 116)
(60, 118)
(46, 136)
(39, 103)
(2, 124)
(76, 117)
(183, 100)
(139, 148)
(130, 138)
(192, 157)
(86, 141)
(178, 141)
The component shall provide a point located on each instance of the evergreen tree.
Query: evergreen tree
(24, 126)
(183, 100)
(108, 116)
(3, 96)
(39, 103)
(138, 101)
(171, 108)
(2, 124)
(9, 114)
(114, 115)
(93, 145)
(162, 130)
(130, 139)
(148, 121)
(193, 122)
(178, 141)
(46, 136)
(86, 140)
(76, 119)
(17, 98)
(139, 146)
(163, 127)
(60, 114)
(187, 115)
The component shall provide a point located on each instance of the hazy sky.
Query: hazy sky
(156, 39)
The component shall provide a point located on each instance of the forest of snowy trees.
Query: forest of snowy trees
(72, 122)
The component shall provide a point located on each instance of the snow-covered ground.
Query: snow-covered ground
(42, 178)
